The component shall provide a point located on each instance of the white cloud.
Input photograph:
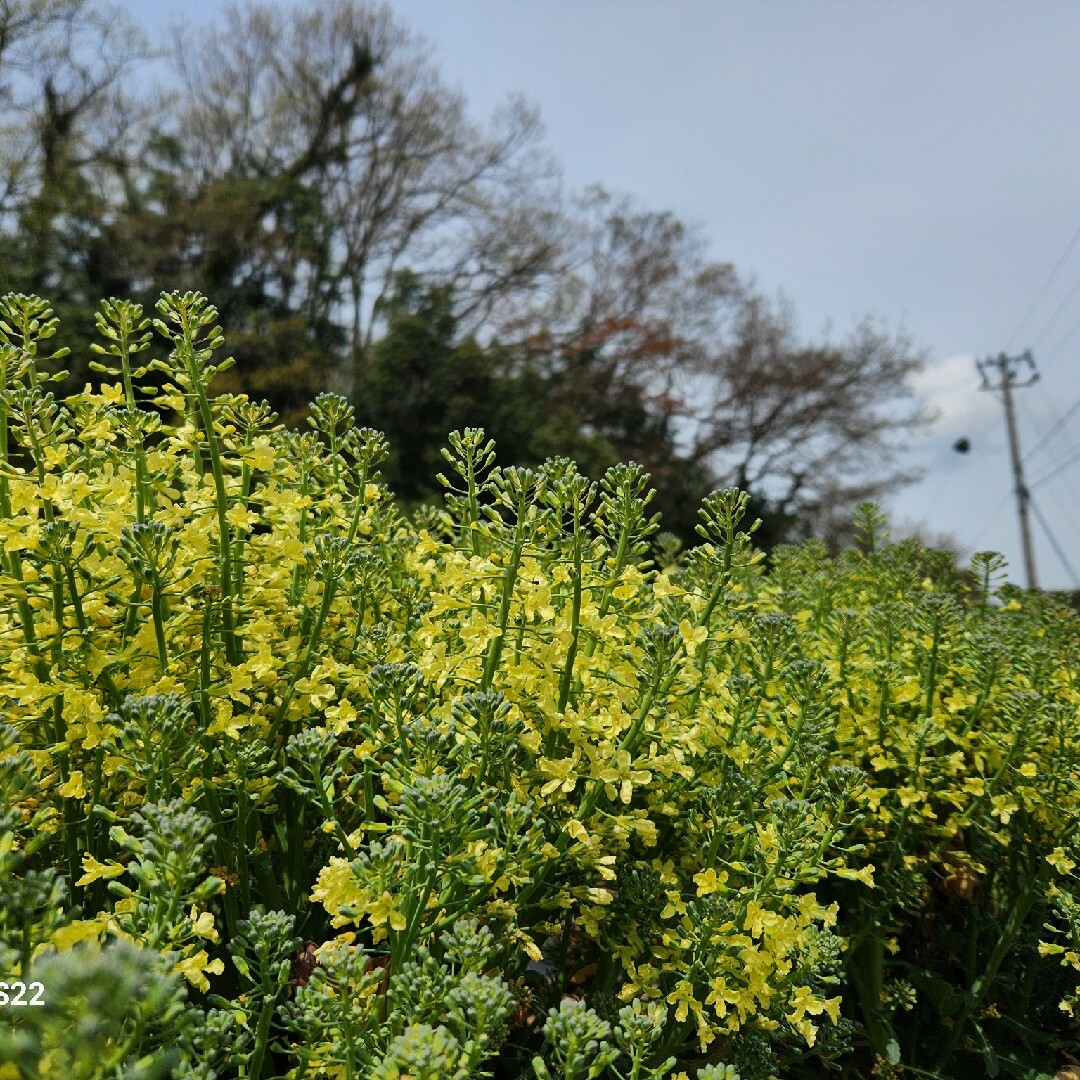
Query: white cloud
(952, 389)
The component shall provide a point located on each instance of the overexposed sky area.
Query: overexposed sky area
(918, 162)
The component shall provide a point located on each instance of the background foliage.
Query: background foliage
(293, 165)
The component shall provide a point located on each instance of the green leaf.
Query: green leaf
(990, 1058)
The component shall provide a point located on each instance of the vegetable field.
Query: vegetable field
(292, 785)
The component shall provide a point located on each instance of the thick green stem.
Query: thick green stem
(867, 967)
(566, 679)
(157, 610)
(509, 584)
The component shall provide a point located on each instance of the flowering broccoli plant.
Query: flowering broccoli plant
(338, 793)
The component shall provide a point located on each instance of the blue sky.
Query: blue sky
(918, 162)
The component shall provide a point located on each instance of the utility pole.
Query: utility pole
(1005, 367)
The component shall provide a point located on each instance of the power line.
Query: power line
(1065, 340)
(1057, 311)
(1064, 465)
(1065, 501)
(1055, 456)
(1046, 284)
(1029, 416)
(1049, 433)
(1053, 542)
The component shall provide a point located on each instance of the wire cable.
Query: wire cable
(1021, 405)
(1052, 430)
(934, 493)
(990, 520)
(1064, 465)
(1063, 342)
(1057, 311)
(1053, 542)
(1065, 502)
(1046, 285)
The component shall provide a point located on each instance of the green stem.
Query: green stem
(474, 504)
(302, 533)
(509, 584)
(302, 668)
(973, 999)
(221, 499)
(659, 685)
(575, 617)
(361, 504)
(245, 494)
(867, 967)
(81, 623)
(157, 610)
(262, 1029)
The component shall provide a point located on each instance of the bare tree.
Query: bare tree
(816, 426)
(66, 122)
(628, 320)
(646, 322)
(344, 98)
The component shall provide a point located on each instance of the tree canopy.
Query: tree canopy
(361, 232)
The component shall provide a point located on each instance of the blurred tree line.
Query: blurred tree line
(309, 170)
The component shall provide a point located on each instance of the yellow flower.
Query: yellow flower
(203, 926)
(531, 949)
(530, 740)
(383, 910)
(577, 831)
(74, 788)
(92, 870)
(336, 887)
(692, 636)
(194, 969)
(674, 905)
(708, 881)
(646, 829)
(663, 586)
(79, 930)
(55, 456)
(620, 772)
(865, 875)
(225, 722)
(562, 772)
(683, 998)
(261, 455)
(340, 716)
(1060, 861)
(240, 517)
(1003, 808)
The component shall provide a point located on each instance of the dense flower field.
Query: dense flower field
(293, 786)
